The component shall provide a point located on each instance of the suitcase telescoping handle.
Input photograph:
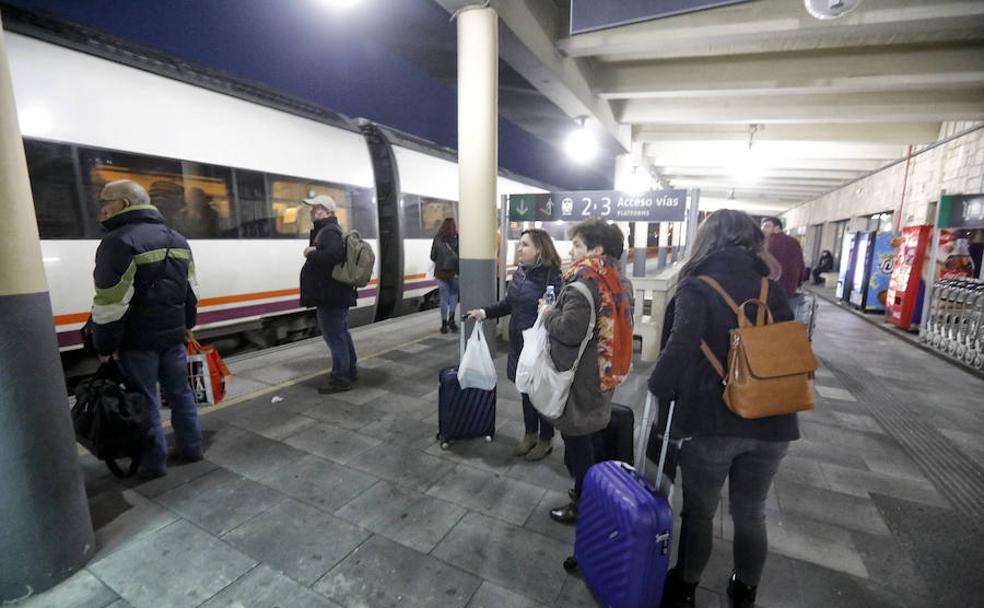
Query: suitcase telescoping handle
(640, 455)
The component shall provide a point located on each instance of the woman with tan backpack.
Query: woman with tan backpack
(727, 266)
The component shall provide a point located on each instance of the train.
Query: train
(227, 163)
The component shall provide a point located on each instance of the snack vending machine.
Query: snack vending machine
(903, 304)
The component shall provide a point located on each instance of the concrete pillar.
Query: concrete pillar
(478, 151)
(664, 244)
(45, 531)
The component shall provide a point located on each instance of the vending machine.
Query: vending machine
(882, 261)
(846, 272)
(863, 250)
(903, 302)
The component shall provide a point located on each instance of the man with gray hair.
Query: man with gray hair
(332, 298)
(146, 302)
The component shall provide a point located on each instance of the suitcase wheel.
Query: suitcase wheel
(488, 438)
(570, 564)
(445, 445)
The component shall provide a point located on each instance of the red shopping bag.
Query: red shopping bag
(207, 373)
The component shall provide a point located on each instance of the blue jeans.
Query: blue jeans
(334, 329)
(449, 297)
(144, 369)
(749, 465)
(534, 423)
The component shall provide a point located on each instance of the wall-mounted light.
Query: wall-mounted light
(581, 145)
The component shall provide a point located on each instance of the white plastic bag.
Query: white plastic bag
(476, 369)
(549, 388)
(534, 341)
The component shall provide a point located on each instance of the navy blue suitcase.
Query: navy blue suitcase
(623, 534)
(463, 413)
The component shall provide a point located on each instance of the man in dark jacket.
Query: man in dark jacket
(146, 301)
(332, 298)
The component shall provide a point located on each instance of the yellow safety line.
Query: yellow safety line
(270, 389)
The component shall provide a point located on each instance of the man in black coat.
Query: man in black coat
(146, 301)
(332, 298)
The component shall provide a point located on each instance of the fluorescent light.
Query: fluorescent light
(35, 120)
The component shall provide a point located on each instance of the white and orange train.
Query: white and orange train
(227, 164)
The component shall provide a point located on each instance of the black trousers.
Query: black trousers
(579, 455)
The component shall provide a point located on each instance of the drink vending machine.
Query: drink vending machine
(903, 302)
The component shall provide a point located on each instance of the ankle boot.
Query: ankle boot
(451, 325)
(539, 451)
(444, 327)
(677, 593)
(742, 595)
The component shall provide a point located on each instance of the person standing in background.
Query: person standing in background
(788, 253)
(444, 254)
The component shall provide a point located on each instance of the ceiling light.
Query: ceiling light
(339, 3)
(581, 145)
(638, 181)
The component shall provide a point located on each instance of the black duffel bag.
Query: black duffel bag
(110, 420)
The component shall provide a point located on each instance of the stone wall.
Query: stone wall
(956, 166)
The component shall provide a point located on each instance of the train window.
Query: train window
(54, 187)
(423, 215)
(194, 198)
(355, 207)
(255, 216)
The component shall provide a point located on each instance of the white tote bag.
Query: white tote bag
(534, 341)
(549, 388)
(476, 369)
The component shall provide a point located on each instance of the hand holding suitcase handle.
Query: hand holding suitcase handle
(640, 455)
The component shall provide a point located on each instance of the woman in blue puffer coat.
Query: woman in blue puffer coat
(539, 266)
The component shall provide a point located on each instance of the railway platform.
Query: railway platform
(348, 500)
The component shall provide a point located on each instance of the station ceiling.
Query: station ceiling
(823, 102)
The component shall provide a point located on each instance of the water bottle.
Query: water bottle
(549, 297)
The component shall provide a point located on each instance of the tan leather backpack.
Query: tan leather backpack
(770, 365)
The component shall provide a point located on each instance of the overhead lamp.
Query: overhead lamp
(747, 167)
(638, 181)
(339, 3)
(581, 145)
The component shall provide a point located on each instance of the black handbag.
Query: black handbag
(110, 420)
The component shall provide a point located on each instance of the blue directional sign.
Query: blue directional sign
(591, 15)
(575, 206)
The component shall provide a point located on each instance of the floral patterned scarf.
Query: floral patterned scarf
(614, 318)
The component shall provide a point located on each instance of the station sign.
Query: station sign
(578, 205)
(591, 15)
(963, 211)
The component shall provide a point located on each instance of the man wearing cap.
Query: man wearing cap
(332, 298)
(146, 301)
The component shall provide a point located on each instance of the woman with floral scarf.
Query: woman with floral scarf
(608, 355)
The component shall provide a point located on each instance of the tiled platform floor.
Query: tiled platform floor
(349, 502)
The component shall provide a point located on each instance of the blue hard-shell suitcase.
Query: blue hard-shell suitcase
(463, 413)
(622, 543)
(623, 534)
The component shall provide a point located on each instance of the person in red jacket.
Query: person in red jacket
(787, 251)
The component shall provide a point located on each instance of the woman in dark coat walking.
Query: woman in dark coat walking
(729, 247)
(539, 266)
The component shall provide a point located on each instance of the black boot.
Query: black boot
(566, 514)
(444, 327)
(742, 595)
(451, 325)
(678, 594)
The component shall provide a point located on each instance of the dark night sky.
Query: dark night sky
(334, 58)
